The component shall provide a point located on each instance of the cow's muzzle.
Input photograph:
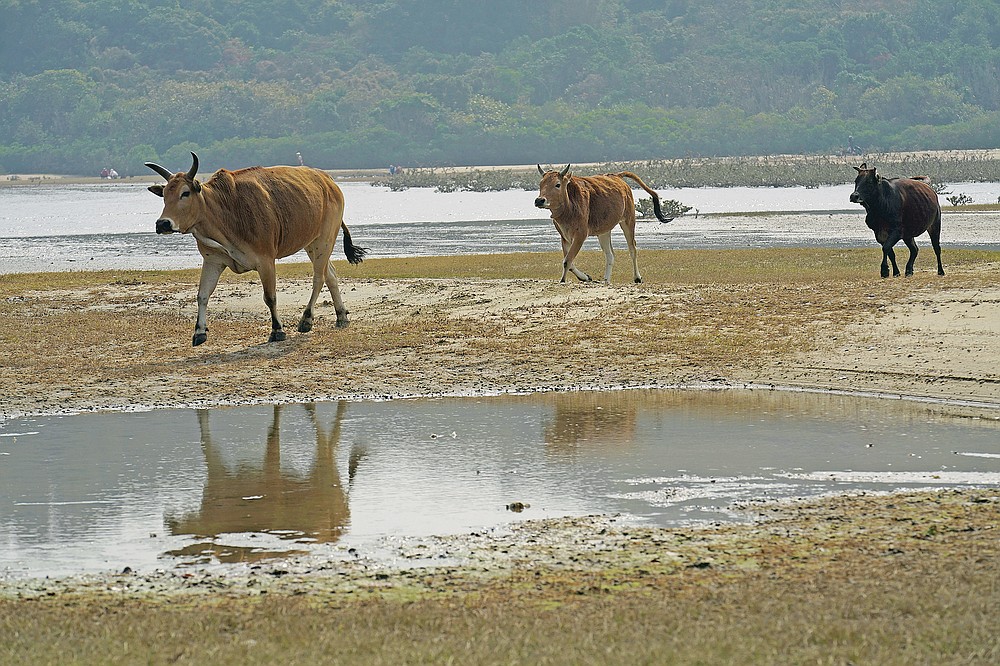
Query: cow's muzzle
(165, 226)
(856, 198)
(540, 202)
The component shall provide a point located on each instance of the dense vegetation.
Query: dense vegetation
(364, 83)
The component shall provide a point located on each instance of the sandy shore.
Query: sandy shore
(127, 344)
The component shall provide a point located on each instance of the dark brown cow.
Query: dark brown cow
(244, 220)
(899, 208)
(584, 206)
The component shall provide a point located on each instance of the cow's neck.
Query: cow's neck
(559, 207)
(237, 260)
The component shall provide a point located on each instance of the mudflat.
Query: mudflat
(870, 579)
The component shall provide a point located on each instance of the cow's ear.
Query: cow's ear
(196, 186)
(156, 189)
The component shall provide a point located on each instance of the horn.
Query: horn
(158, 169)
(540, 170)
(562, 174)
(194, 166)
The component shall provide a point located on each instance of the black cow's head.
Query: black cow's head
(865, 185)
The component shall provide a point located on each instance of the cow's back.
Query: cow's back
(919, 205)
(285, 207)
(609, 199)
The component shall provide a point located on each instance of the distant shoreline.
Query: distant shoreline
(362, 174)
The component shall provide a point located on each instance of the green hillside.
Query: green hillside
(366, 83)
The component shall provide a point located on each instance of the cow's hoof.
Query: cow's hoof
(342, 322)
(305, 326)
(277, 336)
(638, 280)
(198, 339)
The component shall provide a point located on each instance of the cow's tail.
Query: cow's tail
(355, 254)
(656, 197)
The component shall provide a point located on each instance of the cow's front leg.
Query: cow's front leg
(210, 272)
(889, 256)
(570, 256)
(268, 281)
(888, 239)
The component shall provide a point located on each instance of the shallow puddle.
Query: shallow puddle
(100, 492)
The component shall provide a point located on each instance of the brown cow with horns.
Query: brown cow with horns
(584, 206)
(244, 220)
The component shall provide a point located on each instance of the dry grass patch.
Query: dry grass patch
(871, 579)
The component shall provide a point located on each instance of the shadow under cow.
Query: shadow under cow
(311, 506)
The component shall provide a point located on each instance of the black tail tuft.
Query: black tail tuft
(354, 253)
(658, 211)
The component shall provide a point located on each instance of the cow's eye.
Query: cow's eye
(185, 193)
(558, 185)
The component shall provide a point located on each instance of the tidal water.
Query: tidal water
(110, 226)
(185, 487)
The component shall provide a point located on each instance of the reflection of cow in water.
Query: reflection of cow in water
(593, 420)
(266, 498)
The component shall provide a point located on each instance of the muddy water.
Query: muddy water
(99, 492)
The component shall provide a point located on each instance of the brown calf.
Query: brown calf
(244, 220)
(584, 206)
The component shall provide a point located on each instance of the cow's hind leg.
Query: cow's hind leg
(609, 255)
(210, 273)
(322, 274)
(338, 301)
(914, 251)
(934, 231)
(633, 251)
(268, 281)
